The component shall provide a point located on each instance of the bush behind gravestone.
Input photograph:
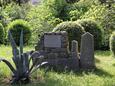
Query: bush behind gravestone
(16, 26)
(73, 29)
(112, 43)
(1, 34)
(92, 27)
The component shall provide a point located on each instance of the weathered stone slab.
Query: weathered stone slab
(87, 51)
(55, 44)
(74, 52)
(52, 40)
(74, 47)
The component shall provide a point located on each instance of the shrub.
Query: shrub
(74, 30)
(93, 28)
(75, 14)
(16, 26)
(112, 43)
(1, 34)
(99, 13)
(54, 21)
(105, 41)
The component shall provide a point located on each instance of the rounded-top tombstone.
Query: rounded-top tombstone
(87, 51)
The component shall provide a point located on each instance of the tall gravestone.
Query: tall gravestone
(87, 51)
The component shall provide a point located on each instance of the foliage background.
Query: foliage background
(45, 16)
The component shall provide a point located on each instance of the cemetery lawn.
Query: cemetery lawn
(104, 75)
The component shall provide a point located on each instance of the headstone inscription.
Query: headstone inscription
(52, 41)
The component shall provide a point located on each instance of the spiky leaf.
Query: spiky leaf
(38, 66)
(9, 65)
(26, 62)
(21, 42)
(15, 51)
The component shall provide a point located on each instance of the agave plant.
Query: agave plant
(23, 69)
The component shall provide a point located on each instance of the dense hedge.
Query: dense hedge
(74, 30)
(1, 34)
(112, 43)
(16, 26)
(93, 28)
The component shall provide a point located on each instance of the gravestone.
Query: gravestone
(74, 50)
(87, 51)
(74, 53)
(55, 44)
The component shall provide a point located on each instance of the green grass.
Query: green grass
(104, 75)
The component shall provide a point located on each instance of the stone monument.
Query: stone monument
(87, 51)
(55, 44)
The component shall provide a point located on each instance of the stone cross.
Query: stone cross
(87, 51)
